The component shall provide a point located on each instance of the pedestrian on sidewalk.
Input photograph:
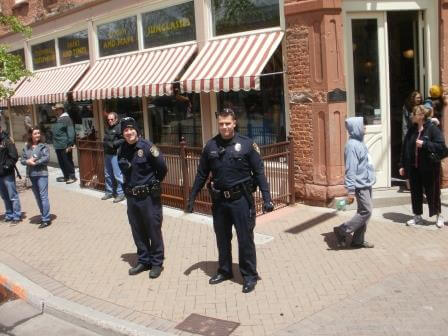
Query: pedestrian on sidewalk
(63, 142)
(422, 139)
(35, 157)
(236, 166)
(359, 179)
(113, 139)
(8, 188)
(143, 169)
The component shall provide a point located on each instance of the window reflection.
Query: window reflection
(174, 117)
(126, 107)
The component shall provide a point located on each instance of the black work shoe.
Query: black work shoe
(106, 197)
(138, 269)
(6, 220)
(364, 244)
(155, 272)
(15, 221)
(60, 179)
(119, 198)
(340, 238)
(44, 225)
(249, 286)
(218, 278)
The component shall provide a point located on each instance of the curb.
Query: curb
(71, 312)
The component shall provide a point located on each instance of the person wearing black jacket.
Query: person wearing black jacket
(422, 139)
(113, 139)
(8, 189)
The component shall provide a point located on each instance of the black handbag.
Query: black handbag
(436, 157)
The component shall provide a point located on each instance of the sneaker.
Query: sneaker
(119, 198)
(107, 196)
(44, 225)
(415, 221)
(71, 180)
(364, 244)
(60, 179)
(440, 222)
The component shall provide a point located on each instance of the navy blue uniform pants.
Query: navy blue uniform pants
(240, 214)
(145, 217)
(65, 160)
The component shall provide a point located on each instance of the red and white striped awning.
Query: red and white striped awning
(149, 73)
(12, 86)
(231, 64)
(49, 86)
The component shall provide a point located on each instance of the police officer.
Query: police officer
(236, 166)
(143, 169)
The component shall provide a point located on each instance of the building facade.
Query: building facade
(296, 67)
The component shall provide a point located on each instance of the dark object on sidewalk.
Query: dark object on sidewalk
(155, 272)
(106, 197)
(119, 199)
(71, 180)
(364, 244)
(249, 286)
(44, 225)
(340, 237)
(60, 179)
(207, 326)
(138, 269)
(218, 278)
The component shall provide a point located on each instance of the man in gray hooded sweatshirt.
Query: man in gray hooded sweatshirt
(359, 179)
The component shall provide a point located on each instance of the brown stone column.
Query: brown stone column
(317, 97)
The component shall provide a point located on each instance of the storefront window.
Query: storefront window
(260, 114)
(20, 53)
(126, 107)
(18, 115)
(74, 47)
(174, 117)
(234, 16)
(80, 113)
(169, 25)
(118, 36)
(44, 55)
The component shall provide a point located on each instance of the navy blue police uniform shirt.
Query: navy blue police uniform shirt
(147, 163)
(231, 162)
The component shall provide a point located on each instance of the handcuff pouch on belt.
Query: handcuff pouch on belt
(142, 191)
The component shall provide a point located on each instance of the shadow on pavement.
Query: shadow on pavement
(36, 219)
(311, 222)
(130, 258)
(330, 240)
(397, 217)
(210, 267)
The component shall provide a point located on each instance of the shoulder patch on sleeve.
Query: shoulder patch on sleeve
(154, 151)
(256, 148)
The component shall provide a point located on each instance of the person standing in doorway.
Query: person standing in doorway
(8, 188)
(143, 169)
(113, 139)
(35, 157)
(236, 166)
(424, 174)
(63, 142)
(359, 179)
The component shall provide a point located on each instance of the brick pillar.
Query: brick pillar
(317, 97)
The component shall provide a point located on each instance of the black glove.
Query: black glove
(124, 164)
(190, 205)
(268, 206)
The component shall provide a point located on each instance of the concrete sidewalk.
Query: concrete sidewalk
(83, 258)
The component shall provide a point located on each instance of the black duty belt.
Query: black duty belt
(232, 194)
(143, 190)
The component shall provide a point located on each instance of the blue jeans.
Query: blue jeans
(10, 197)
(112, 171)
(39, 185)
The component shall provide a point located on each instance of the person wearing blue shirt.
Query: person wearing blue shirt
(143, 169)
(236, 169)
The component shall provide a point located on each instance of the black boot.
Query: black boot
(138, 269)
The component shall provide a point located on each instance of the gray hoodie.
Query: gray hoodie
(359, 170)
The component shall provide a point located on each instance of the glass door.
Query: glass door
(368, 81)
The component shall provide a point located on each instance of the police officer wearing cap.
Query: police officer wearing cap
(236, 169)
(143, 169)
